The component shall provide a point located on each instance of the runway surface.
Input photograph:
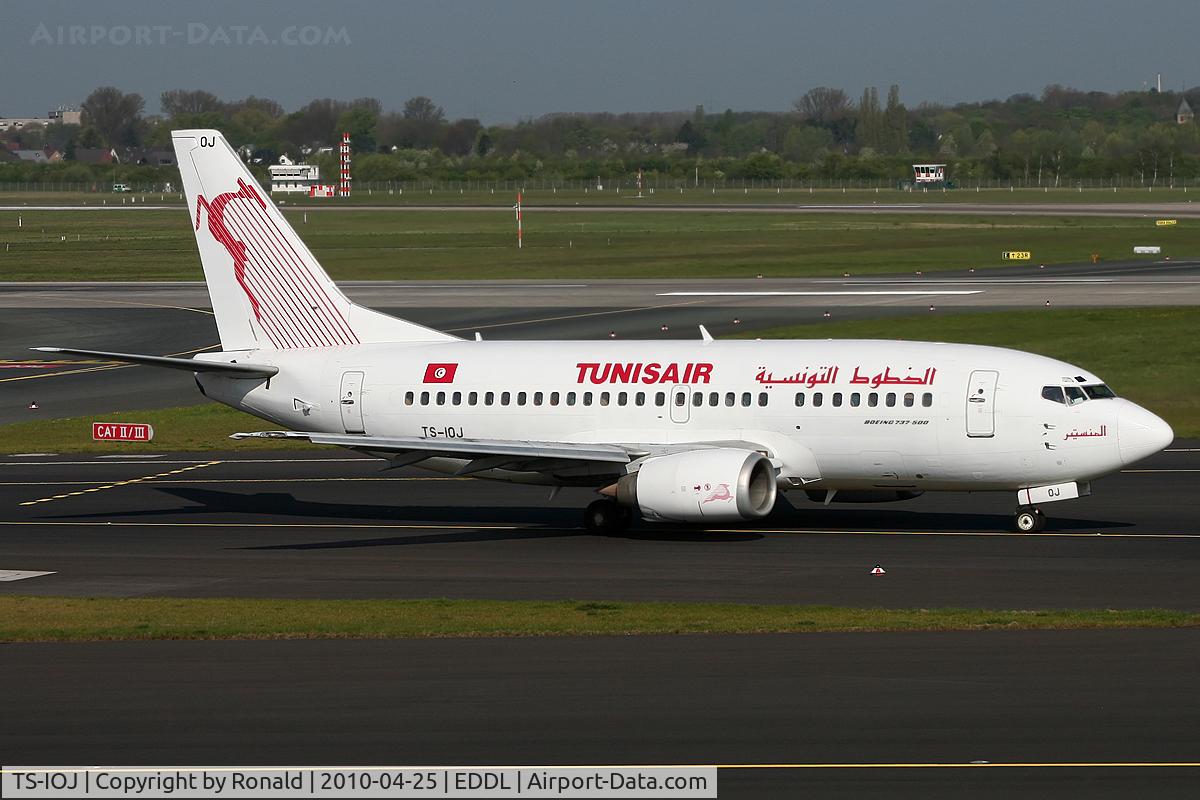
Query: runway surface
(1048, 698)
(330, 524)
(326, 523)
(174, 318)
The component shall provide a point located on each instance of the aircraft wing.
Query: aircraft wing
(188, 364)
(484, 454)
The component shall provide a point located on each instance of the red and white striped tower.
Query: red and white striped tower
(520, 235)
(344, 180)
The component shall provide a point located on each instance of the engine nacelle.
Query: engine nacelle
(717, 485)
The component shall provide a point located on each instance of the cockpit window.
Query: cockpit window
(1075, 395)
(1054, 393)
(1098, 391)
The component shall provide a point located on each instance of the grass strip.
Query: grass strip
(579, 245)
(185, 429)
(87, 619)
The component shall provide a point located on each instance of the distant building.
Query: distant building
(36, 156)
(62, 115)
(94, 155)
(66, 116)
(925, 175)
(147, 156)
(288, 177)
(1185, 114)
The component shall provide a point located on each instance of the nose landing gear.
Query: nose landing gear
(1029, 520)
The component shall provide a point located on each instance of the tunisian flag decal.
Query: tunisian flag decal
(440, 373)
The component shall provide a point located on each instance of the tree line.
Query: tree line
(1061, 135)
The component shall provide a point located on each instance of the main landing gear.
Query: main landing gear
(1029, 520)
(607, 517)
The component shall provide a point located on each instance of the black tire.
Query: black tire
(1029, 520)
(606, 516)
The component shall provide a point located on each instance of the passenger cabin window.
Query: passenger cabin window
(909, 399)
(623, 398)
(537, 398)
(890, 400)
(762, 399)
(1075, 395)
(457, 399)
(714, 398)
(730, 399)
(660, 398)
(799, 399)
(873, 399)
(473, 399)
(680, 399)
(570, 398)
(505, 398)
(640, 398)
(837, 399)
(408, 398)
(441, 398)
(855, 399)
(927, 399)
(424, 398)
(746, 399)
(554, 398)
(697, 399)
(818, 399)
(521, 398)
(604, 398)
(1054, 394)
(587, 398)
(489, 398)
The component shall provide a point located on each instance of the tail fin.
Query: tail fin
(267, 289)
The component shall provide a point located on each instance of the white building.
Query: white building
(288, 177)
(929, 174)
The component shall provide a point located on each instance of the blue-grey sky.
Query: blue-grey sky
(503, 61)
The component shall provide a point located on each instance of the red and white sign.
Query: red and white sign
(122, 432)
(440, 373)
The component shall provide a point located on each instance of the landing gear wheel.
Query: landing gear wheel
(1029, 520)
(606, 516)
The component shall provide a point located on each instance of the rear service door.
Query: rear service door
(981, 403)
(352, 415)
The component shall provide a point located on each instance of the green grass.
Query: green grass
(186, 429)
(566, 244)
(83, 619)
(1149, 355)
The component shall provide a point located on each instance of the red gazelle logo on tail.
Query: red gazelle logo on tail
(289, 304)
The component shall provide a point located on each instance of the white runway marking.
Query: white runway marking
(822, 294)
(8, 575)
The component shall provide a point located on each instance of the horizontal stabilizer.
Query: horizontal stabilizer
(188, 364)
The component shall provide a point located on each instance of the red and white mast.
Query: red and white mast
(344, 180)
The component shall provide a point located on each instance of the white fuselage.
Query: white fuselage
(846, 415)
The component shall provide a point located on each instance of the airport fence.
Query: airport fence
(659, 183)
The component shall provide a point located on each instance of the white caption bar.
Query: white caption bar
(338, 782)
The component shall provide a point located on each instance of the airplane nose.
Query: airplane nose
(1140, 433)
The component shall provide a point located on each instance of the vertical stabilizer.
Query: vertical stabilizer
(267, 289)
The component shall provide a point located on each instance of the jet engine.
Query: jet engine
(717, 485)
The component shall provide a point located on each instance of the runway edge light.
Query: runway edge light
(878, 570)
